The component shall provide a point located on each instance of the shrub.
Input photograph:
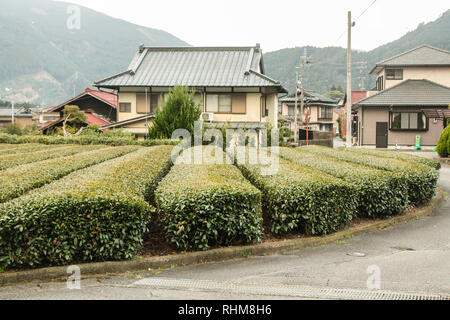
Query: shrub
(180, 111)
(13, 160)
(399, 156)
(13, 128)
(89, 139)
(16, 181)
(421, 179)
(381, 193)
(6, 149)
(443, 147)
(300, 199)
(95, 214)
(203, 206)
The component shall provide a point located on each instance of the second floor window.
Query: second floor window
(394, 74)
(226, 103)
(125, 107)
(326, 113)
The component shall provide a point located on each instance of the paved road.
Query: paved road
(413, 258)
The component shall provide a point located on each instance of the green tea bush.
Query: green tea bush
(6, 149)
(16, 181)
(399, 156)
(90, 139)
(301, 199)
(95, 214)
(203, 206)
(421, 179)
(13, 160)
(381, 193)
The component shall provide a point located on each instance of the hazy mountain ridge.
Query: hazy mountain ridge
(45, 62)
(48, 61)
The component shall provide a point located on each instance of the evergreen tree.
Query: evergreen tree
(179, 112)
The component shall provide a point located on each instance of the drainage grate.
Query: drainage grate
(286, 291)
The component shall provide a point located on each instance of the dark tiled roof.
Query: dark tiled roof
(410, 93)
(421, 56)
(310, 97)
(194, 67)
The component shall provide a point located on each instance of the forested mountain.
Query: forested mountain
(44, 57)
(45, 60)
(329, 65)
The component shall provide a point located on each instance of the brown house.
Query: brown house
(22, 118)
(410, 88)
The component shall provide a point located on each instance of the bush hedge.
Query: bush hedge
(16, 181)
(381, 193)
(13, 160)
(399, 156)
(301, 199)
(203, 206)
(84, 140)
(421, 179)
(95, 214)
(6, 149)
(443, 147)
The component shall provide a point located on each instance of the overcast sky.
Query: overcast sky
(276, 24)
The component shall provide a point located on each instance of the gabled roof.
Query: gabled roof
(424, 55)
(91, 118)
(310, 97)
(106, 97)
(194, 67)
(19, 113)
(410, 93)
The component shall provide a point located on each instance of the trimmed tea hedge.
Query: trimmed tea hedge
(13, 160)
(95, 214)
(381, 193)
(399, 156)
(6, 149)
(421, 179)
(203, 206)
(16, 181)
(301, 199)
(83, 140)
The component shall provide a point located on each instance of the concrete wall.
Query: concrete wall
(370, 116)
(439, 75)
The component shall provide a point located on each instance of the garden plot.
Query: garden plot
(381, 193)
(303, 200)
(208, 205)
(13, 160)
(16, 181)
(421, 179)
(95, 214)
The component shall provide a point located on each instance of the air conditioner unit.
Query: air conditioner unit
(208, 117)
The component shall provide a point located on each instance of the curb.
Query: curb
(445, 161)
(215, 255)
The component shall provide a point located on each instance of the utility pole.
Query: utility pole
(349, 81)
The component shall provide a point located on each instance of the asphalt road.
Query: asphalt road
(405, 261)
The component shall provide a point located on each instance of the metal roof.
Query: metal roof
(410, 93)
(424, 55)
(21, 113)
(437, 113)
(106, 97)
(194, 67)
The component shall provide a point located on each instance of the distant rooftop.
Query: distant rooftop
(424, 55)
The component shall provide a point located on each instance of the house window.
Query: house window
(147, 103)
(326, 113)
(414, 121)
(394, 74)
(380, 83)
(291, 111)
(226, 103)
(264, 110)
(125, 107)
(155, 102)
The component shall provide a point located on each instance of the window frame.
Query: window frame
(124, 103)
(419, 115)
(395, 74)
(328, 113)
(231, 94)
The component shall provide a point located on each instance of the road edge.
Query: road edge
(215, 255)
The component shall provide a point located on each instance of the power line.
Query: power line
(357, 19)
